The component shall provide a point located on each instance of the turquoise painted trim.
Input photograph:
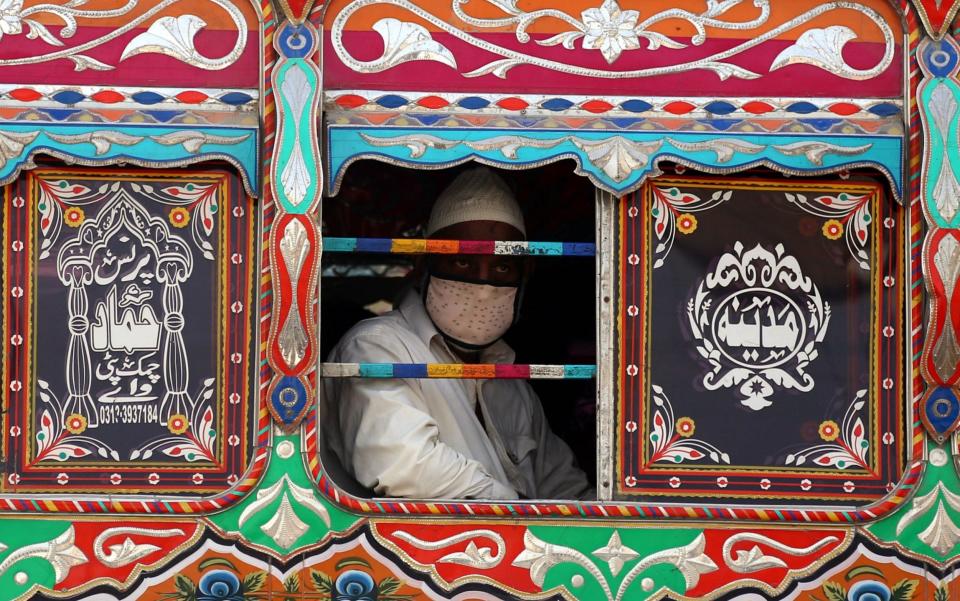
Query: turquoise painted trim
(938, 147)
(131, 144)
(298, 132)
(443, 147)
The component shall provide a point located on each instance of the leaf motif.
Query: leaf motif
(254, 581)
(321, 582)
(38, 30)
(388, 586)
(185, 586)
(566, 38)
(861, 570)
(725, 71)
(404, 42)
(823, 48)
(82, 62)
(498, 68)
(656, 40)
(217, 561)
(292, 583)
(904, 590)
(353, 561)
(834, 591)
(172, 36)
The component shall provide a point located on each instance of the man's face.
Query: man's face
(491, 269)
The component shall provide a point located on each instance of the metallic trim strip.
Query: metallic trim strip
(606, 213)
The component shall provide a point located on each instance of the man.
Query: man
(446, 438)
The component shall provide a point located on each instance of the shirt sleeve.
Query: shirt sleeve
(390, 442)
(557, 473)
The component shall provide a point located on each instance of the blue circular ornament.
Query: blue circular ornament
(940, 58)
(941, 409)
(288, 399)
(295, 41)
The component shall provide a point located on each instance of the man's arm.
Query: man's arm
(390, 442)
(558, 476)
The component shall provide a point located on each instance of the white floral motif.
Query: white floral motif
(747, 295)
(610, 29)
(615, 553)
(173, 36)
(846, 447)
(61, 553)
(10, 17)
(540, 556)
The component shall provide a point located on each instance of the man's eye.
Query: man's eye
(461, 264)
(503, 268)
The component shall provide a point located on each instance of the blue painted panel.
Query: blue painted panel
(150, 145)
(596, 151)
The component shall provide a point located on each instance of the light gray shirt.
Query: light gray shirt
(420, 438)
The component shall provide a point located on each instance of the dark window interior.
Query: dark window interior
(557, 318)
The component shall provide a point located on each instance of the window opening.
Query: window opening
(367, 274)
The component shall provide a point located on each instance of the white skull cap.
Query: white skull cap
(478, 194)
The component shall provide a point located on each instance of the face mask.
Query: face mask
(472, 315)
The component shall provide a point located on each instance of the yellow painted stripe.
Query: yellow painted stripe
(445, 370)
(400, 245)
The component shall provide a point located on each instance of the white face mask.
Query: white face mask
(474, 314)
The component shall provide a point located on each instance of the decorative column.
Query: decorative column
(79, 401)
(296, 184)
(176, 369)
(938, 97)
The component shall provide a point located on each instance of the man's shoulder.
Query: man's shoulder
(391, 321)
(385, 338)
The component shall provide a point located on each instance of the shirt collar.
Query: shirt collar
(415, 314)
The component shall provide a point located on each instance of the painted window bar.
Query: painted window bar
(465, 371)
(484, 371)
(458, 247)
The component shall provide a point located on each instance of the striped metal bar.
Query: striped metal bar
(419, 246)
(484, 371)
